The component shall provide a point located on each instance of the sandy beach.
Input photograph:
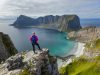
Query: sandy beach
(78, 50)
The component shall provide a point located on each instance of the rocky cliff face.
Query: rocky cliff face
(28, 63)
(69, 23)
(7, 48)
(62, 23)
(86, 34)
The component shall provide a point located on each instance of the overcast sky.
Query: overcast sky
(83, 8)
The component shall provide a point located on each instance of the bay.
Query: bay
(54, 40)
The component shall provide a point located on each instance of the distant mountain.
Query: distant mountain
(62, 23)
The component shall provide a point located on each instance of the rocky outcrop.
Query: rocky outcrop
(86, 34)
(14, 62)
(7, 48)
(62, 23)
(40, 63)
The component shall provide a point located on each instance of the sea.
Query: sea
(90, 22)
(54, 40)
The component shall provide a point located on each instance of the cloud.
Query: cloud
(83, 8)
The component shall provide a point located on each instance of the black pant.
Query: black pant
(33, 44)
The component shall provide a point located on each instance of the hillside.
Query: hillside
(88, 63)
(82, 66)
(86, 34)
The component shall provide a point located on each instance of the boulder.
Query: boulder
(14, 62)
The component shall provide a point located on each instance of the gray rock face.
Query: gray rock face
(43, 64)
(62, 23)
(69, 23)
(40, 63)
(14, 62)
(7, 48)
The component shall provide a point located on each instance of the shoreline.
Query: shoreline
(42, 27)
(78, 50)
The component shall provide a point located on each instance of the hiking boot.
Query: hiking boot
(35, 52)
(40, 49)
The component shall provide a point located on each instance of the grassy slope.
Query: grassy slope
(24, 72)
(94, 45)
(84, 66)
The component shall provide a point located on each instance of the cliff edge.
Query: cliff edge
(28, 63)
(7, 48)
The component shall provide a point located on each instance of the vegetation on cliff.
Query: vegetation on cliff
(7, 48)
(82, 66)
(87, 64)
(93, 45)
(24, 72)
(9, 45)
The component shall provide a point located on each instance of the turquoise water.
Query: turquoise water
(53, 40)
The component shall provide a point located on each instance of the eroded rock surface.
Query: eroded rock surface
(40, 63)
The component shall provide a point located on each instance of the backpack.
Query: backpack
(33, 39)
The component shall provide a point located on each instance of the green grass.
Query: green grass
(97, 43)
(63, 70)
(93, 45)
(82, 66)
(25, 72)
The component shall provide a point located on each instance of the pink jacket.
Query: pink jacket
(35, 37)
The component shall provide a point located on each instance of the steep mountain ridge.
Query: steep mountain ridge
(62, 23)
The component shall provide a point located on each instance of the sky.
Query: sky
(82, 8)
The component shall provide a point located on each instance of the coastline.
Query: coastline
(43, 27)
(77, 51)
(80, 49)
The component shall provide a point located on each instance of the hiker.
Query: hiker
(34, 41)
